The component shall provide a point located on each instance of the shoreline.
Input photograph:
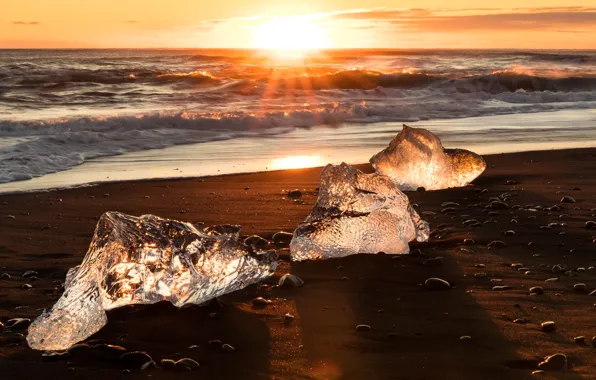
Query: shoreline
(352, 143)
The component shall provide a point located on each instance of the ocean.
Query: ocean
(74, 117)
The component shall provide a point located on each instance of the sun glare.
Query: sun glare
(290, 36)
(296, 162)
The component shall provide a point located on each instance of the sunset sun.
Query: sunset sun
(290, 35)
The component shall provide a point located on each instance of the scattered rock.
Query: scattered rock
(590, 224)
(556, 362)
(497, 244)
(26, 286)
(227, 348)
(433, 262)
(363, 328)
(289, 280)
(469, 242)
(536, 290)
(548, 326)
(135, 359)
(502, 287)
(579, 287)
(256, 241)
(282, 237)
(434, 283)
(567, 199)
(168, 364)
(186, 364)
(18, 323)
(4, 275)
(579, 340)
(295, 194)
(30, 273)
(509, 233)
(498, 205)
(519, 321)
(260, 302)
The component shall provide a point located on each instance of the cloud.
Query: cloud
(25, 23)
(474, 19)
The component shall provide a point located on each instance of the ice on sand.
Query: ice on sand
(416, 158)
(357, 213)
(144, 260)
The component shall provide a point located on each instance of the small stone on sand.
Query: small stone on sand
(548, 326)
(556, 362)
(363, 328)
(536, 290)
(289, 280)
(434, 283)
(186, 364)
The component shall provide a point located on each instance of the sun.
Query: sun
(290, 35)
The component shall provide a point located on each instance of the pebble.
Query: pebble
(498, 205)
(289, 280)
(497, 244)
(450, 204)
(556, 362)
(18, 323)
(519, 321)
(260, 301)
(433, 262)
(548, 326)
(591, 225)
(294, 194)
(10, 217)
(186, 364)
(282, 237)
(554, 279)
(517, 265)
(567, 199)
(363, 328)
(26, 286)
(465, 337)
(228, 348)
(469, 242)
(594, 341)
(509, 233)
(168, 363)
(4, 275)
(536, 290)
(288, 317)
(256, 241)
(537, 372)
(579, 340)
(579, 287)
(502, 287)
(30, 273)
(480, 275)
(434, 283)
(136, 359)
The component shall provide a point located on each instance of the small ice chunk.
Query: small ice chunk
(416, 158)
(357, 213)
(144, 260)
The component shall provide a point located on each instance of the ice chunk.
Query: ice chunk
(415, 158)
(145, 260)
(357, 213)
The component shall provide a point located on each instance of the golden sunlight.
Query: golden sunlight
(290, 36)
(296, 162)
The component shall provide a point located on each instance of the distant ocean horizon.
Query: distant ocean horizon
(60, 108)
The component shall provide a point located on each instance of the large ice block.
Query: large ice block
(357, 213)
(144, 260)
(416, 158)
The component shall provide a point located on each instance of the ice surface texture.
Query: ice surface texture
(144, 260)
(415, 158)
(357, 213)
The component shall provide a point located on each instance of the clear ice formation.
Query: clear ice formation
(144, 260)
(357, 213)
(416, 158)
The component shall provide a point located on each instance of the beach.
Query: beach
(415, 333)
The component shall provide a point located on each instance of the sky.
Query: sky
(527, 24)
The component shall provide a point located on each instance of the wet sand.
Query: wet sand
(415, 332)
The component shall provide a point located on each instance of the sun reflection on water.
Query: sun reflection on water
(296, 162)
